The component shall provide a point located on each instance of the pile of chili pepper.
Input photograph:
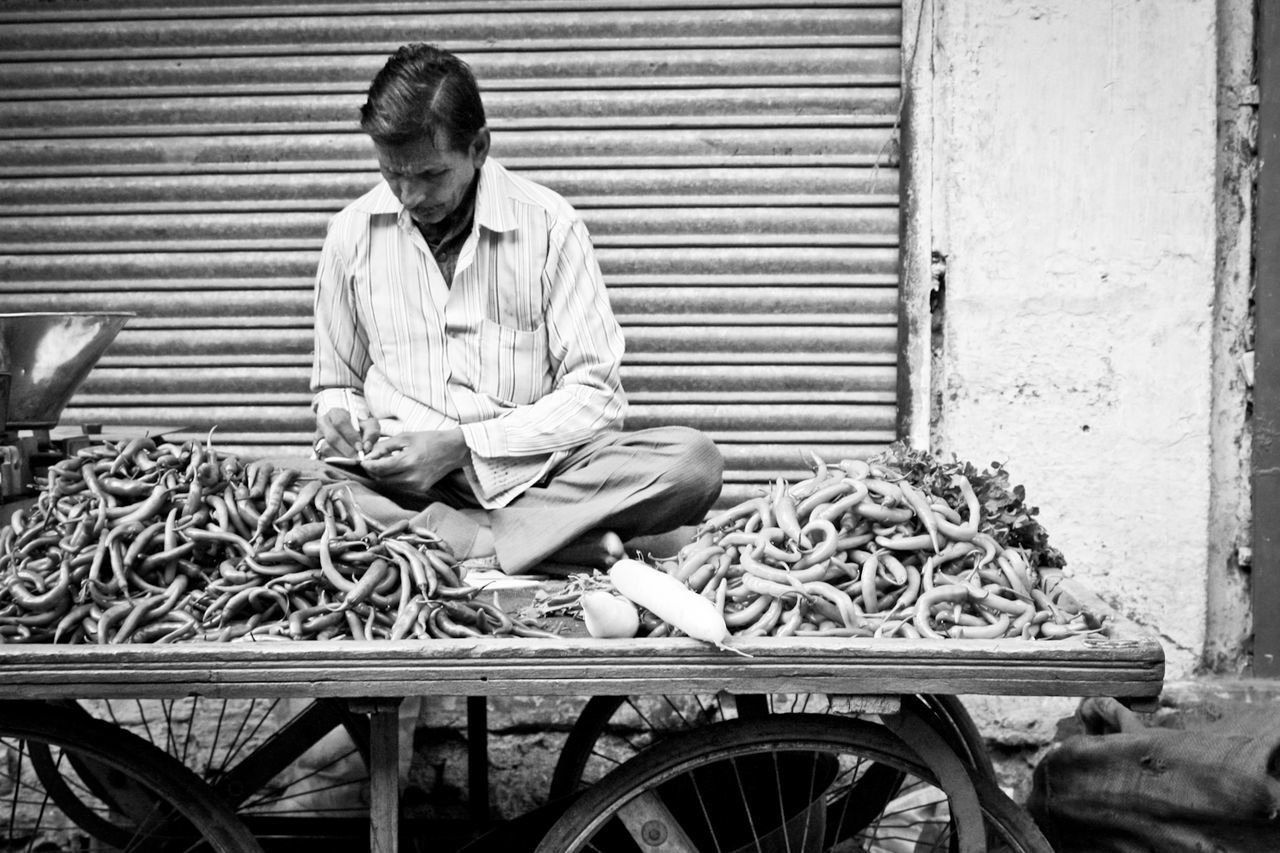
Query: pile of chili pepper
(140, 541)
(858, 550)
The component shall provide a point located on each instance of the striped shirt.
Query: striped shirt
(521, 350)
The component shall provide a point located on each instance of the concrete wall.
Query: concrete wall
(1080, 175)
(1073, 199)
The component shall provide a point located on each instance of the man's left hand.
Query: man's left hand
(416, 461)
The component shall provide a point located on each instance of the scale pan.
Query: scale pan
(47, 356)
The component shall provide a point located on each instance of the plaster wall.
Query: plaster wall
(1073, 198)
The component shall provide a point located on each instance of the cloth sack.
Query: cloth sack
(1206, 783)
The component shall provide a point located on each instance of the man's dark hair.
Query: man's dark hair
(423, 92)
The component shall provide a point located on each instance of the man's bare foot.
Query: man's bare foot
(598, 549)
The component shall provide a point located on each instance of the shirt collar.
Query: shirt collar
(493, 200)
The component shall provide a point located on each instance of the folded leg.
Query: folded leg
(628, 484)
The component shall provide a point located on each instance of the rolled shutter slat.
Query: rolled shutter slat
(642, 108)
(698, 65)
(636, 306)
(764, 265)
(587, 190)
(739, 344)
(185, 153)
(305, 230)
(646, 384)
(351, 29)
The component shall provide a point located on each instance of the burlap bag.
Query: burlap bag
(1208, 783)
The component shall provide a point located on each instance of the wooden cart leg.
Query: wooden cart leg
(478, 758)
(384, 772)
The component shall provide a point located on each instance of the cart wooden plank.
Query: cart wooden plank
(584, 666)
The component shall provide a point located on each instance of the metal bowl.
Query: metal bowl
(47, 356)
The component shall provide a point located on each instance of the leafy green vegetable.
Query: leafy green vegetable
(1006, 515)
(565, 599)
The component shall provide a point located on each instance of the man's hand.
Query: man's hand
(344, 438)
(416, 461)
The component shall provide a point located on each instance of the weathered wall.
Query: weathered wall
(1074, 201)
(1229, 623)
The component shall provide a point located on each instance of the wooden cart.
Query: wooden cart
(884, 678)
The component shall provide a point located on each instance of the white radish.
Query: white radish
(670, 600)
(609, 616)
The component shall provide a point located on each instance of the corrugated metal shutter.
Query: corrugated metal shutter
(736, 163)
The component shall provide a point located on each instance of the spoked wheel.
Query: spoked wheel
(290, 768)
(68, 782)
(612, 729)
(800, 783)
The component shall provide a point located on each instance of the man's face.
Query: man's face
(429, 181)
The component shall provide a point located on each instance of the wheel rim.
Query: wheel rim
(76, 787)
(151, 802)
(612, 729)
(911, 813)
(317, 771)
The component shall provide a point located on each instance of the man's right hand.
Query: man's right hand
(343, 437)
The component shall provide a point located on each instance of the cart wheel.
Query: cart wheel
(612, 729)
(288, 768)
(109, 787)
(948, 717)
(802, 783)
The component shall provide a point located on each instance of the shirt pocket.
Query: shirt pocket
(513, 363)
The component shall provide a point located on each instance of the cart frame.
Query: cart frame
(376, 676)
